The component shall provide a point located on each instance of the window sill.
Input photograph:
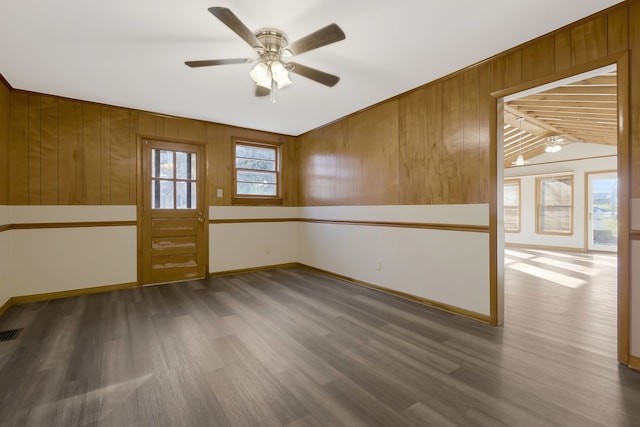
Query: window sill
(256, 201)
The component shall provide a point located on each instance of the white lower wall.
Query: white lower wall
(635, 281)
(237, 246)
(420, 262)
(59, 259)
(5, 294)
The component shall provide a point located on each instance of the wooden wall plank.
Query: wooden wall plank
(471, 134)
(35, 153)
(434, 191)
(19, 150)
(105, 155)
(589, 41)
(412, 139)
(373, 140)
(618, 30)
(562, 50)
(119, 160)
(49, 149)
(634, 98)
(484, 143)
(146, 124)
(453, 140)
(5, 109)
(69, 152)
(538, 60)
(506, 71)
(133, 155)
(290, 172)
(220, 164)
(91, 154)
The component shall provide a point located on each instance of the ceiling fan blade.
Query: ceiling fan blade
(210, 62)
(262, 91)
(324, 36)
(230, 20)
(313, 74)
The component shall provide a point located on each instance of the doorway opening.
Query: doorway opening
(560, 204)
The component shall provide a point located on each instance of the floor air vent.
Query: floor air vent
(9, 335)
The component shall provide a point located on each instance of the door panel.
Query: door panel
(173, 212)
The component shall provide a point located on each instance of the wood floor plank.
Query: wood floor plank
(293, 347)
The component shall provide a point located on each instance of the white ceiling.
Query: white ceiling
(131, 53)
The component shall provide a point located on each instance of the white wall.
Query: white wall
(59, 259)
(635, 280)
(528, 174)
(237, 246)
(5, 293)
(420, 262)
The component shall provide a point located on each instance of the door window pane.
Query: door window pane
(185, 165)
(173, 184)
(185, 195)
(162, 194)
(161, 163)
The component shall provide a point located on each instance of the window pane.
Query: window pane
(262, 177)
(511, 206)
(555, 218)
(511, 219)
(264, 165)
(185, 165)
(256, 189)
(555, 210)
(161, 163)
(251, 152)
(161, 194)
(185, 195)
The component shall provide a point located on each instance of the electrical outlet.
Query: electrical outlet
(379, 266)
(219, 192)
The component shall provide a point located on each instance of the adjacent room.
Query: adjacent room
(329, 213)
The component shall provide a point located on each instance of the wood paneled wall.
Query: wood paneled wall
(66, 152)
(4, 144)
(432, 145)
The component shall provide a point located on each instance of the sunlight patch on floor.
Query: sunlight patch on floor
(517, 254)
(568, 266)
(551, 276)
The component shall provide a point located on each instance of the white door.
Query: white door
(602, 211)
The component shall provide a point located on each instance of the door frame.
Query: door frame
(140, 198)
(588, 209)
(496, 232)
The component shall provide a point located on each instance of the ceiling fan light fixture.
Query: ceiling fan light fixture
(553, 145)
(261, 75)
(280, 74)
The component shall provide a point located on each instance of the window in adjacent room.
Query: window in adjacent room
(512, 206)
(555, 205)
(257, 171)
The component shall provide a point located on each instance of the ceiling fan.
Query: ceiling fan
(273, 47)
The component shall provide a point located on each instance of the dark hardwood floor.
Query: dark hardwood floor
(292, 347)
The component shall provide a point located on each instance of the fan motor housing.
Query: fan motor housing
(272, 39)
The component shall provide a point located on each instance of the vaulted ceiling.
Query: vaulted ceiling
(584, 111)
(132, 53)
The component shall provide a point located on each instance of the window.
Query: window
(257, 170)
(555, 205)
(512, 206)
(173, 179)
